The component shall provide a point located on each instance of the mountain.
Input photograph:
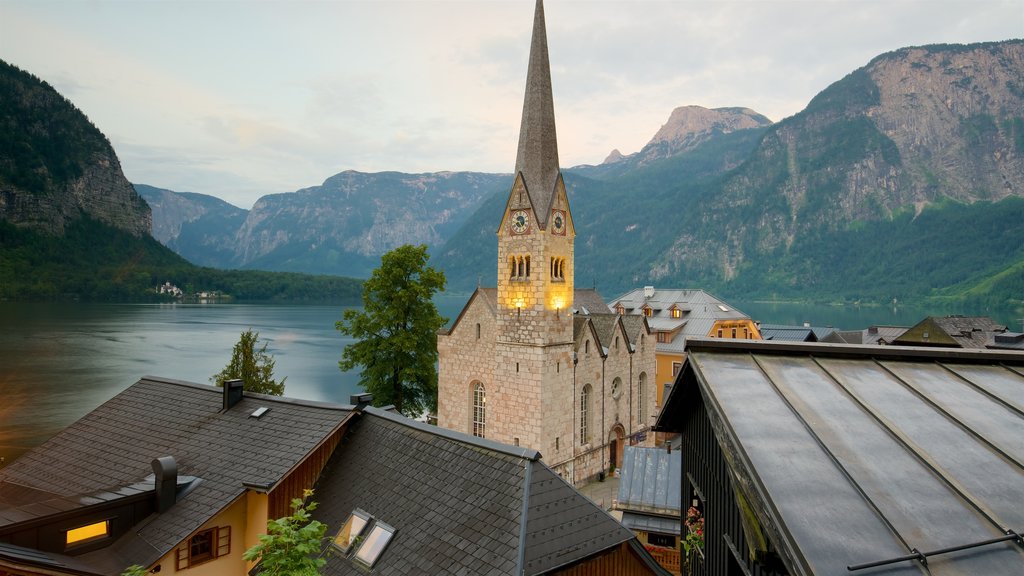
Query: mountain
(72, 226)
(687, 128)
(55, 165)
(903, 179)
(340, 227)
(199, 227)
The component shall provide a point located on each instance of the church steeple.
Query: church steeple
(537, 158)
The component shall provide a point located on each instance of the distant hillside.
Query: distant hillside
(199, 227)
(72, 226)
(55, 165)
(901, 180)
(340, 227)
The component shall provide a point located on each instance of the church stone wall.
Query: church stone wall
(463, 358)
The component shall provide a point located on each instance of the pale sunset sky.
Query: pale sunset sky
(239, 99)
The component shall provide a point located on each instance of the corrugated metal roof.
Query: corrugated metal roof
(860, 454)
(650, 480)
(646, 523)
(700, 311)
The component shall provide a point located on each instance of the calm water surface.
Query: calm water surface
(59, 361)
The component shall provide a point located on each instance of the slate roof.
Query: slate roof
(650, 481)
(489, 297)
(779, 332)
(961, 331)
(850, 455)
(460, 504)
(1008, 341)
(872, 335)
(635, 326)
(587, 300)
(537, 155)
(700, 312)
(111, 448)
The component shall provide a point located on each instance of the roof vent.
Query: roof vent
(232, 393)
(259, 412)
(648, 291)
(165, 470)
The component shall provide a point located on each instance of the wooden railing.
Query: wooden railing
(668, 558)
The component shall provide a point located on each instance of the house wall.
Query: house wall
(618, 561)
(234, 516)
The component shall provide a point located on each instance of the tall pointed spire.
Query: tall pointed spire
(537, 158)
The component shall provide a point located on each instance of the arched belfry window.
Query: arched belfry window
(585, 415)
(519, 267)
(479, 410)
(557, 269)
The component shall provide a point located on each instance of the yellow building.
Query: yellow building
(675, 315)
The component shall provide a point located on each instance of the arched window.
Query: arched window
(585, 415)
(641, 409)
(479, 410)
(527, 266)
(616, 388)
(478, 331)
(511, 266)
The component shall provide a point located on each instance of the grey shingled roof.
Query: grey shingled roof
(780, 332)
(537, 156)
(700, 312)
(457, 502)
(607, 328)
(588, 300)
(962, 331)
(113, 447)
(635, 326)
(870, 451)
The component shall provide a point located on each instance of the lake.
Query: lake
(58, 361)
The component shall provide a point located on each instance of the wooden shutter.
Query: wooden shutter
(223, 543)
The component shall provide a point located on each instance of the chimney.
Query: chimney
(360, 401)
(668, 446)
(166, 471)
(873, 330)
(648, 291)
(232, 393)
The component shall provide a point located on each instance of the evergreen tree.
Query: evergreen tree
(254, 367)
(396, 332)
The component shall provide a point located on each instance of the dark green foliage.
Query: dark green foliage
(96, 262)
(255, 368)
(44, 140)
(396, 332)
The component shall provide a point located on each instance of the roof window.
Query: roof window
(723, 308)
(364, 537)
(371, 548)
(87, 533)
(351, 530)
(259, 412)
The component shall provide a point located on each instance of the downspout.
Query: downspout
(575, 412)
(604, 422)
(630, 392)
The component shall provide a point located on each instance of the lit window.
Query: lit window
(351, 530)
(648, 311)
(88, 533)
(375, 543)
(677, 313)
(479, 410)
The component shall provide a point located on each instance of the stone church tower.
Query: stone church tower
(509, 365)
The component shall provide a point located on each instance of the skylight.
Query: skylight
(351, 530)
(723, 308)
(259, 412)
(375, 542)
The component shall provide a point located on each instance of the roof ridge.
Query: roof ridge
(250, 395)
(517, 451)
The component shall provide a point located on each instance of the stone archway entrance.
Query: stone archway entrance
(616, 444)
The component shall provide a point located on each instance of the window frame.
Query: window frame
(357, 539)
(106, 522)
(383, 527)
(478, 410)
(585, 395)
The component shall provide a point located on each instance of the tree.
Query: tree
(254, 367)
(292, 545)
(396, 332)
(135, 570)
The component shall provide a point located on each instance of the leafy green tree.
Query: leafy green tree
(396, 332)
(254, 367)
(134, 570)
(292, 545)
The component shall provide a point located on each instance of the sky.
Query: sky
(239, 99)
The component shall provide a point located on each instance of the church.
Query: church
(537, 362)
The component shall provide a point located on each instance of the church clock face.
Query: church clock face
(558, 222)
(520, 222)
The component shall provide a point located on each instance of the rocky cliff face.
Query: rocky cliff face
(914, 127)
(55, 166)
(199, 227)
(687, 128)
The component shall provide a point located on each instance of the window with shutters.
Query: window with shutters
(204, 546)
